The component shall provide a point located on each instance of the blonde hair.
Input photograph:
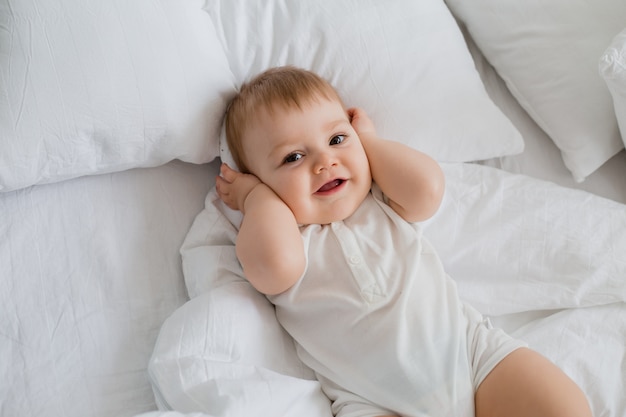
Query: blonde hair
(286, 87)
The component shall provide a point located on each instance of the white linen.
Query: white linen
(224, 353)
(90, 268)
(520, 249)
(547, 52)
(589, 344)
(88, 87)
(541, 157)
(516, 244)
(172, 414)
(404, 62)
(613, 69)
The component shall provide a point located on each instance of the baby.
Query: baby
(330, 234)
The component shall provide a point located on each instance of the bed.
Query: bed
(119, 291)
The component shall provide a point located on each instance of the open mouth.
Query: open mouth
(331, 186)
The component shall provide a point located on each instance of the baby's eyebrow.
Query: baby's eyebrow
(336, 123)
(280, 149)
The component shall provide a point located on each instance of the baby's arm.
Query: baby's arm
(269, 245)
(413, 181)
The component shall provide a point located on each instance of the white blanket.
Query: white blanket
(547, 263)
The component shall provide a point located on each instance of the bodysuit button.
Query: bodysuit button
(355, 260)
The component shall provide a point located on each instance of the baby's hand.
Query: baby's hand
(361, 123)
(233, 187)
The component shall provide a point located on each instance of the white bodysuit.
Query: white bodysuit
(380, 322)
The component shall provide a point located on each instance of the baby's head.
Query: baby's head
(290, 128)
(279, 88)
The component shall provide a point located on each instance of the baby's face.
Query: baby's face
(312, 158)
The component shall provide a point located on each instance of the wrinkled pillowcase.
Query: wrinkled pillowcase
(613, 70)
(405, 62)
(89, 87)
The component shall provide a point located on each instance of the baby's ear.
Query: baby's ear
(225, 154)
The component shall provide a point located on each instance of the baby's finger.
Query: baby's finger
(228, 173)
(222, 187)
(361, 122)
(360, 115)
(220, 181)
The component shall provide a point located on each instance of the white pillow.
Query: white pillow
(547, 51)
(613, 69)
(404, 61)
(90, 86)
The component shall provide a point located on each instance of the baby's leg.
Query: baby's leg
(526, 384)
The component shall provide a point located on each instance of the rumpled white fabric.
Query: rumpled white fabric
(89, 270)
(517, 244)
(224, 353)
(547, 263)
(172, 414)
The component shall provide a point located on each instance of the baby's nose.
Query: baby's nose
(325, 161)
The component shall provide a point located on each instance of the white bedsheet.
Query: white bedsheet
(89, 269)
(547, 263)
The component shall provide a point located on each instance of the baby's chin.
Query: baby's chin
(322, 220)
(331, 216)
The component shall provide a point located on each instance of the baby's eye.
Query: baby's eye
(292, 157)
(337, 139)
